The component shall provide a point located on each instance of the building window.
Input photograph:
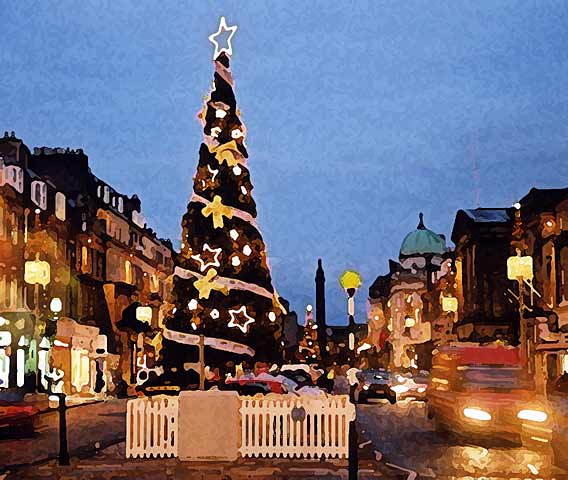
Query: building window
(84, 259)
(39, 194)
(128, 271)
(99, 191)
(114, 201)
(14, 293)
(14, 229)
(15, 177)
(2, 223)
(106, 197)
(563, 300)
(154, 284)
(3, 299)
(60, 206)
(120, 204)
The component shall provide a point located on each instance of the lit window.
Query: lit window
(114, 201)
(14, 231)
(39, 194)
(60, 206)
(2, 223)
(154, 284)
(15, 177)
(128, 271)
(84, 258)
(99, 191)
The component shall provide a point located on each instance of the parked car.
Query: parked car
(263, 383)
(483, 391)
(374, 384)
(17, 419)
(410, 385)
(299, 376)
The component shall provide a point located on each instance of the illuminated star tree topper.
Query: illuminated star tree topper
(223, 44)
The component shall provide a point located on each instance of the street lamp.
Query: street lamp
(350, 280)
(37, 272)
(520, 268)
(56, 305)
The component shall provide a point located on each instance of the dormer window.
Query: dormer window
(120, 204)
(60, 206)
(15, 177)
(99, 191)
(106, 197)
(39, 194)
(114, 202)
(138, 219)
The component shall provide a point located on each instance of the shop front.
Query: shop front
(18, 353)
(79, 360)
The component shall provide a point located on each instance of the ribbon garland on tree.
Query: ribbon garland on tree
(227, 284)
(235, 212)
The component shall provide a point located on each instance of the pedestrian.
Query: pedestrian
(99, 376)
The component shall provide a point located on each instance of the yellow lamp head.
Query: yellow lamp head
(350, 279)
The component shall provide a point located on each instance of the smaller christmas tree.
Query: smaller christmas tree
(308, 347)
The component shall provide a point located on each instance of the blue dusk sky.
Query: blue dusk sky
(359, 114)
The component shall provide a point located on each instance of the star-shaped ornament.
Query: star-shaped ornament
(240, 319)
(205, 259)
(221, 44)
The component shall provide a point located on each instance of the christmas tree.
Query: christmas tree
(222, 284)
(309, 347)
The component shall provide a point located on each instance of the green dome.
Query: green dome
(422, 242)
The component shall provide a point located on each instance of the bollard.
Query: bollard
(63, 453)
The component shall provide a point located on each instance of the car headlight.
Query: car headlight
(477, 414)
(532, 415)
(400, 388)
(365, 387)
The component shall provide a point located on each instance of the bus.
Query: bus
(480, 391)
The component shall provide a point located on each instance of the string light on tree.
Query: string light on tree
(192, 305)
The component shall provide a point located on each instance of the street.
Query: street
(100, 423)
(407, 439)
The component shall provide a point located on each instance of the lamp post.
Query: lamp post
(143, 314)
(350, 280)
(56, 306)
(520, 268)
(37, 272)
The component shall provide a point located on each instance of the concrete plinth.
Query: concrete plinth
(209, 425)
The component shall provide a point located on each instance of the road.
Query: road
(406, 438)
(89, 428)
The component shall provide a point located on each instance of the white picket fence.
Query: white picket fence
(271, 426)
(152, 427)
(285, 426)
